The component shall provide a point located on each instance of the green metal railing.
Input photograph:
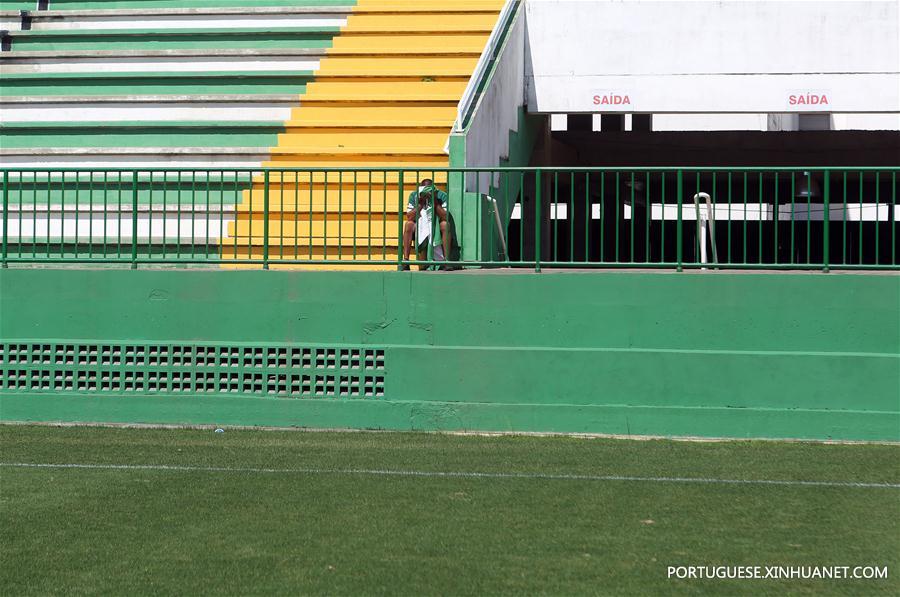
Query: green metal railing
(674, 218)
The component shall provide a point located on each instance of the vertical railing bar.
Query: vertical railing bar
(266, 218)
(729, 217)
(554, 209)
(90, 216)
(76, 251)
(206, 240)
(340, 214)
(222, 180)
(119, 176)
(860, 259)
(105, 208)
(759, 256)
(282, 222)
(537, 220)
(618, 205)
(570, 212)
(631, 223)
(162, 217)
(602, 215)
(179, 214)
(646, 217)
(894, 218)
(134, 218)
(679, 230)
(776, 209)
(62, 212)
(296, 212)
(589, 214)
(711, 224)
(662, 219)
(521, 216)
(6, 216)
(369, 216)
(844, 225)
(400, 219)
(826, 222)
(877, 217)
(238, 197)
(506, 201)
(309, 232)
(793, 218)
(34, 215)
(808, 218)
(758, 217)
(355, 227)
(699, 238)
(48, 208)
(205, 218)
(325, 216)
(384, 202)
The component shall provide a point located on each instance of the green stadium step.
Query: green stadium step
(171, 83)
(149, 4)
(108, 39)
(140, 134)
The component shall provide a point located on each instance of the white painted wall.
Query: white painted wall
(497, 111)
(712, 57)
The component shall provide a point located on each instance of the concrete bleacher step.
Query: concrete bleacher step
(408, 45)
(159, 83)
(157, 108)
(373, 114)
(183, 38)
(344, 231)
(171, 60)
(147, 17)
(399, 90)
(139, 134)
(155, 4)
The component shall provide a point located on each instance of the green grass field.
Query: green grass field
(284, 512)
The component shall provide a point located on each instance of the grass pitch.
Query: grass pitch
(266, 512)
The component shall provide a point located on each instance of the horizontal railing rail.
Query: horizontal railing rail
(767, 218)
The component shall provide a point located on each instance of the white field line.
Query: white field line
(447, 474)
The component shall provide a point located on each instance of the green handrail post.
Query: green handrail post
(134, 217)
(537, 221)
(826, 218)
(401, 221)
(6, 218)
(265, 219)
(678, 229)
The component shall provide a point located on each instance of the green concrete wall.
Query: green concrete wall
(693, 354)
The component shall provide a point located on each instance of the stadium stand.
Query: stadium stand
(230, 83)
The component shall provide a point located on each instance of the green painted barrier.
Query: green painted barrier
(766, 355)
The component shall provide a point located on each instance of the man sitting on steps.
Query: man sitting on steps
(419, 222)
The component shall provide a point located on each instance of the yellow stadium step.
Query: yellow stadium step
(381, 91)
(409, 44)
(428, 6)
(299, 200)
(343, 231)
(405, 140)
(388, 66)
(360, 24)
(372, 115)
(292, 159)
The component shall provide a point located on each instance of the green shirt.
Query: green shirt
(423, 226)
